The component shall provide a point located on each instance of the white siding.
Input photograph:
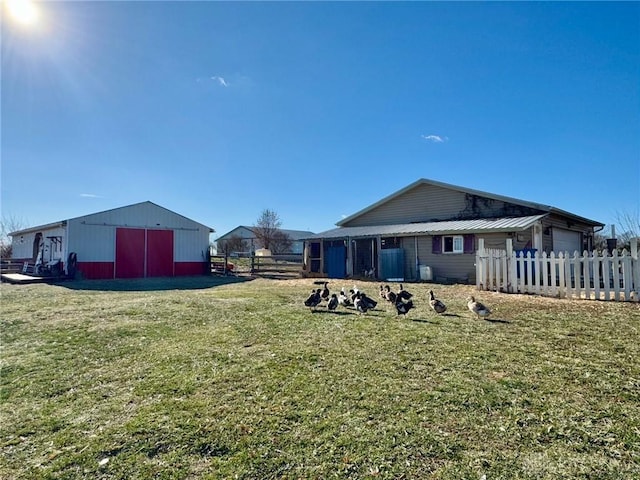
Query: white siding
(190, 246)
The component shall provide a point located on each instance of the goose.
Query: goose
(313, 300)
(325, 291)
(343, 299)
(382, 292)
(478, 308)
(359, 303)
(389, 295)
(403, 294)
(436, 304)
(368, 301)
(333, 302)
(403, 307)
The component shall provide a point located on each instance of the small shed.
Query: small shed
(135, 241)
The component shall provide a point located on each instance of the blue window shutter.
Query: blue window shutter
(436, 244)
(469, 243)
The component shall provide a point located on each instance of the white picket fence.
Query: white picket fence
(595, 276)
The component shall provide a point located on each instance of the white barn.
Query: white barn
(135, 241)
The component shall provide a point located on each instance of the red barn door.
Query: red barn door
(159, 253)
(130, 243)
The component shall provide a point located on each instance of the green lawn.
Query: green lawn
(199, 378)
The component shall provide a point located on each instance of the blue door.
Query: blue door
(335, 261)
(392, 263)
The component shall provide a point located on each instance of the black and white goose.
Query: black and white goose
(333, 302)
(359, 303)
(403, 294)
(325, 291)
(435, 304)
(343, 299)
(403, 307)
(389, 295)
(313, 300)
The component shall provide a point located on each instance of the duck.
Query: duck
(369, 302)
(359, 303)
(325, 291)
(478, 308)
(436, 304)
(343, 299)
(333, 302)
(389, 296)
(313, 300)
(403, 307)
(382, 292)
(403, 294)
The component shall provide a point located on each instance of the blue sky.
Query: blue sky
(219, 110)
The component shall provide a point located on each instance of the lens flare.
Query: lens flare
(24, 12)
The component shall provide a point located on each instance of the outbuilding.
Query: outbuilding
(135, 241)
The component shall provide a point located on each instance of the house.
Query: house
(251, 242)
(429, 230)
(135, 241)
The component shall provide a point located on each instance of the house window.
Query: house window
(454, 244)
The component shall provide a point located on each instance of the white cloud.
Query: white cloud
(89, 195)
(435, 138)
(221, 81)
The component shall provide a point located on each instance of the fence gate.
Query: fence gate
(596, 276)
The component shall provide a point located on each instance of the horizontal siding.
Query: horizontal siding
(426, 203)
(556, 221)
(450, 266)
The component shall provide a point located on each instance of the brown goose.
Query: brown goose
(436, 304)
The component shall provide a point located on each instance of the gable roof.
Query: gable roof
(293, 234)
(63, 222)
(481, 225)
(493, 196)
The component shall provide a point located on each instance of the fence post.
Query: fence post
(635, 267)
(512, 277)
(479, 264)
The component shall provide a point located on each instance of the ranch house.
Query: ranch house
(251, 242)
(135, 241)
(429, 230)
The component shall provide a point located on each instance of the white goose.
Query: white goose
(478, 308)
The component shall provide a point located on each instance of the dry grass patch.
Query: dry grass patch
(205, 379)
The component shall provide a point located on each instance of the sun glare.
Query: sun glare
(24, 12)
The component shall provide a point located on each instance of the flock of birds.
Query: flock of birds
(402, 301)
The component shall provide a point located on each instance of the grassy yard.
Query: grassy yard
(198, 378)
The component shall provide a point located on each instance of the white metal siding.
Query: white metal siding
(190, 246)
(22, 245)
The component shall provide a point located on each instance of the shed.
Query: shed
(135, 241)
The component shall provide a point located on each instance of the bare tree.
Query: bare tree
(235, 243)
(628, 226)
(281, 243)
(268, 233)
(9, 224)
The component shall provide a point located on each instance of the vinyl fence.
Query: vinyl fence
(596, 275)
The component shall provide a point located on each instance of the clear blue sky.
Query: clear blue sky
(218, 111)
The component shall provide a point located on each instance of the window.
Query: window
(453, 244)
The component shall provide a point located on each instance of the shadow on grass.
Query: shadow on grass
(334, 312)
(496, 320)
(153, 284)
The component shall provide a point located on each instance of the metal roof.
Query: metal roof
(481, 225)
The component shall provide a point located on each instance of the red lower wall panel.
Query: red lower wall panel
(189, 268)
(96, 270)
